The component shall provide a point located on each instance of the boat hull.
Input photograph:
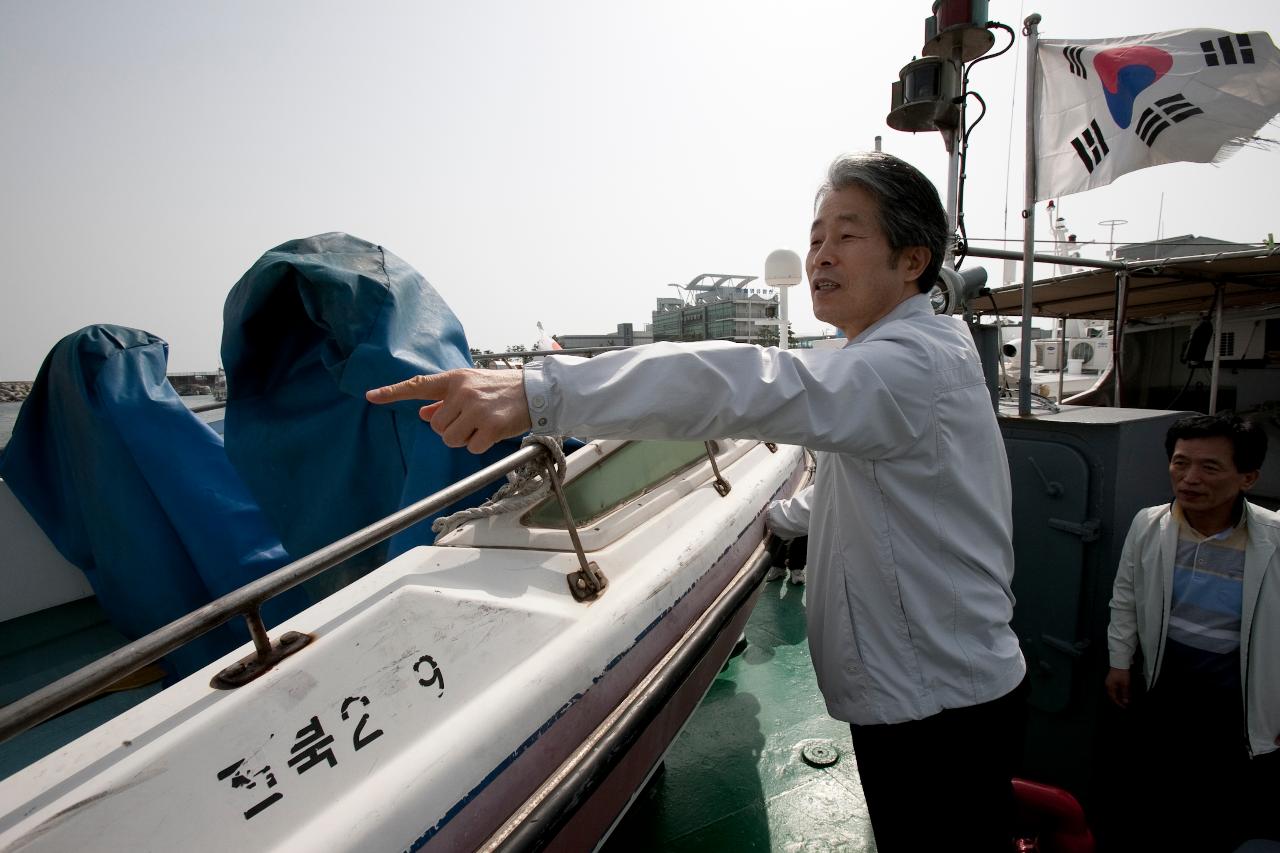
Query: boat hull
(598, 815)
(438, 696)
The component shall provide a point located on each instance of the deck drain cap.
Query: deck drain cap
(820, 754)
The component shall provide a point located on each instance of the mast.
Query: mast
(930, 94)
(1029, 219)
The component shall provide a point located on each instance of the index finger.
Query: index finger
(415, 388)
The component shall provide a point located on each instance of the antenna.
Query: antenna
(1112, 223)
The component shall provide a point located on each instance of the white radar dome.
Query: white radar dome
(783, 268)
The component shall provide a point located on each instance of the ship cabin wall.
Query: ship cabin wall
(1079, 476)
(1159, 373)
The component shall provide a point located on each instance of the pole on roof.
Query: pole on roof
(1062, 356)
(1029, 221)
(1217, 347)
(1117, 337)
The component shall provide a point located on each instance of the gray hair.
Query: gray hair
(907, 204)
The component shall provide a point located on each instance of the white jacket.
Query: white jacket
(1143, 594)
(909, 518)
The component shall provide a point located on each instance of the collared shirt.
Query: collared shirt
(909, 518)
(1208, 586)
(1141, 602)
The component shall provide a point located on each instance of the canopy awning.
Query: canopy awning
(1156, 288)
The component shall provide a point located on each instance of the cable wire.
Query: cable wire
(963, 138)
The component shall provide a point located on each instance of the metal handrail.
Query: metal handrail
(87, 682)
(542, 353)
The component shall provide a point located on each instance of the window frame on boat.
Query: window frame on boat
(603, 528)
(600, 489)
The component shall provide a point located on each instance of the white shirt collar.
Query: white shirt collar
(912, 306)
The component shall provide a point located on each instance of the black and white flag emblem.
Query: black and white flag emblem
(1156, 118)
(1090, 146)
(1075, 59)
(1228, 50)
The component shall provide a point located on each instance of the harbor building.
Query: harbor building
(1186, 245)
(718, 307)
(712, 306)
(187, 384)
(625, 336)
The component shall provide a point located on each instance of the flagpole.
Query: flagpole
(1029, 219)
(1217, 347)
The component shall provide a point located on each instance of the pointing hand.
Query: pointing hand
(473, 408)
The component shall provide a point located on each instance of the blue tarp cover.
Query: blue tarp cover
(135, 490)
(306, 331)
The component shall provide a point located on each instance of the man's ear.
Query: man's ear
(914, 260)
(1248, 480)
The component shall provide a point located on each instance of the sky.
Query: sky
(562, 161)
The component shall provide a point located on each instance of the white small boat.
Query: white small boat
(462, 696)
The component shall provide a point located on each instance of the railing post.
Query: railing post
(264, 657)
(258, 631)
(588, 582)
(721, 484)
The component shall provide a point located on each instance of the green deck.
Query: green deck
(735, 779)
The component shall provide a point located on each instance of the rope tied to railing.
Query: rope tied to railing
(526, 486)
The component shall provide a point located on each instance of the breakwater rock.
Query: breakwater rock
(14, 392)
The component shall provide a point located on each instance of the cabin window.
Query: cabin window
(631, 470)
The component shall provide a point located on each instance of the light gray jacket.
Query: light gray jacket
(909, 518)
(1143, 595)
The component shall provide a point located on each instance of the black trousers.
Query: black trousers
(1197, 788)
(943, 783)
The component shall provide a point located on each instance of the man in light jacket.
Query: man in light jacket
(1198, 590)
(909, 518)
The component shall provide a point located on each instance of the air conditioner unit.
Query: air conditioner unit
(1094, 352)
(1048, 354)
(1241, 339)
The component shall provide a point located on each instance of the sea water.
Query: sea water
(8, 417)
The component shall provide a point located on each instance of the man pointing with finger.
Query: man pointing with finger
(474, 409)
(909, 516)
